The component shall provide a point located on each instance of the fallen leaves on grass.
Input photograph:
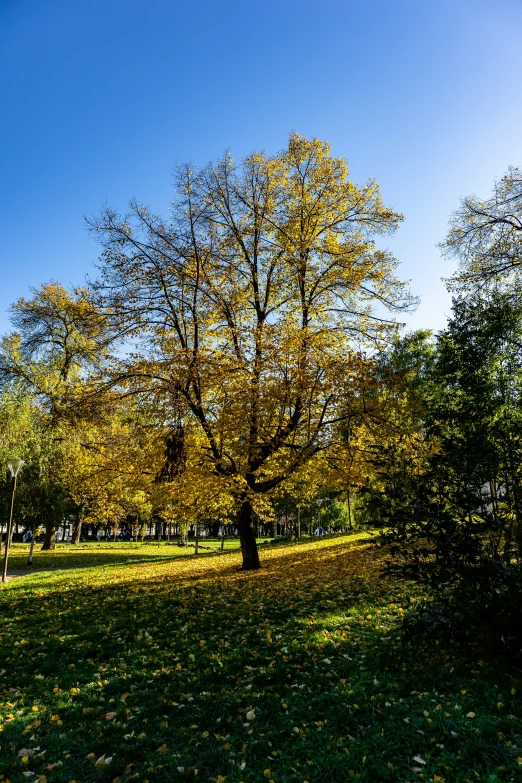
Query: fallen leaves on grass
(222, 673)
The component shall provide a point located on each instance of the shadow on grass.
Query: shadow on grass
(291, 673)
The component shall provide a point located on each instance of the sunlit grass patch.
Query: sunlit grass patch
(95, 553)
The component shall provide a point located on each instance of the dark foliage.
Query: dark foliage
(450, 509)
(175, 455)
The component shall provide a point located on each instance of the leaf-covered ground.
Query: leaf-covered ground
(172, 670)
(105, 553)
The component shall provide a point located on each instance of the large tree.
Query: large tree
(249, 312)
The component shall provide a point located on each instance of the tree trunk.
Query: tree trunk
(247, 538)
(77, 530)
(50, 536)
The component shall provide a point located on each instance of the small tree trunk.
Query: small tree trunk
(77, 530)
(299, 522)
(247, 538)
(50, 536)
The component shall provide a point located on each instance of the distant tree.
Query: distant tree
(335, 515)
(396, 449)
(58, 338)
(485, 236)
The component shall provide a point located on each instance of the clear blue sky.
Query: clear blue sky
(100, 98)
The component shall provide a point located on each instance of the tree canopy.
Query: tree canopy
(249, 314)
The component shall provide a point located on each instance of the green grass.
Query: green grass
(293, 673)
(93, 553)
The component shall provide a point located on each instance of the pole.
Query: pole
(8, 534)
(30, 558)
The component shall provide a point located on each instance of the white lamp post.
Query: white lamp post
(14, 466)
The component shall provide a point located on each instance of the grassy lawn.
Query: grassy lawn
(94, 553)
(169, 668)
